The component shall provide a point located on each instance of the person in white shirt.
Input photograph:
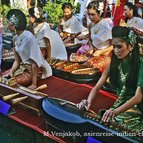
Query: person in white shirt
(133, 19)
(26, 49)
(70, 27)
(99, 30)
(49, 40)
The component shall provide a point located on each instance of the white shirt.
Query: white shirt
(136, 22)
(27, 48)
(73, 25)
(58, 49)
(101, 34)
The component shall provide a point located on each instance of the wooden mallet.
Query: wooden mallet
(41, 87)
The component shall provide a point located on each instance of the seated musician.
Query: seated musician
(99, 32)
(126, 74)
(49, 40)
(133, 19)
(70, 27)
(26, 50)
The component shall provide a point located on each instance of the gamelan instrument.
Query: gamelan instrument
(23, 97)
(63, 115)
(76, 72)
(41, 87)
(7, 97)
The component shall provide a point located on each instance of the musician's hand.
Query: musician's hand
(73, 36)
(32, 86)
(83, 105)
(109, 115)
(8, 75)
(137, 31)
(11, 74)
(61, 34)
(80, 37)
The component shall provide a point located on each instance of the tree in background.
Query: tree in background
(54, 10)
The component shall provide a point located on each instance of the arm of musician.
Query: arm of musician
(67, 39)
(137, 31)
(132, 102)
(94, 92)
(110, 114)
(48, 47)
(74, 35)
(83, 37)
(102, 51)
(98, 86)
(15, 64)
(92, 48)
(60, 30)
(34, 75)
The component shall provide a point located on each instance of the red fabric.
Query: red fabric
(119, 12)
(32, 121)
(75, 92)
(66, 90)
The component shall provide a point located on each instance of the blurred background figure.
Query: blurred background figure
(70, 27)
(133, 19)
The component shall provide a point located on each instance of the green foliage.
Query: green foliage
(77, 7)
(54, 10)
(3, 11)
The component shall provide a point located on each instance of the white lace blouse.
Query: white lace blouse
(136, 22)
(27, 48)
(58, 49)
(101, 34)
(73, 25)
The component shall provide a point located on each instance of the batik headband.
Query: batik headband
(131, 38)
(14, 20)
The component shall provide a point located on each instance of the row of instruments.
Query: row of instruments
(22, 96)
(61, 114)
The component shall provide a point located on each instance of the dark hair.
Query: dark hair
(19, 16)
(67, 5)
(32, 12)
(95, 5)
(108, 12)
(134, 8)
(131, 81)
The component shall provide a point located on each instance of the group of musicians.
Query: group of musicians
(35, 46)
